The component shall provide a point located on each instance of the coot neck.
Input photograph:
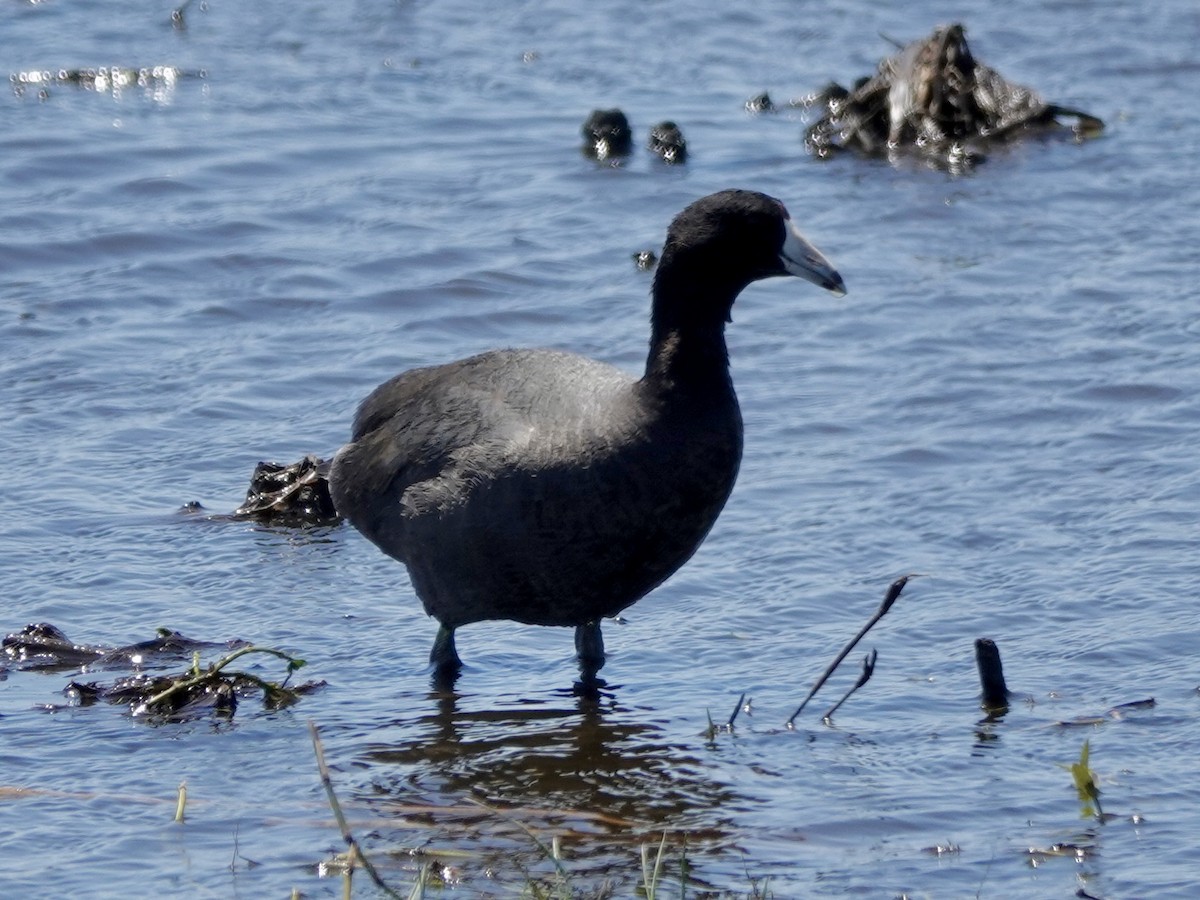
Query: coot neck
(687, 338)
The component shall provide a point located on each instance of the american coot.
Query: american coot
(552, 489)
(606, 133)
(666, 141)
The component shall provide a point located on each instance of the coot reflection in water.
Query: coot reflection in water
(552, 489)
(492, 780)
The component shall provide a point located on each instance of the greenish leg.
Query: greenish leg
(589, 647)
(443, 655)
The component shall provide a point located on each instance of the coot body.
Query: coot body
(551, 489)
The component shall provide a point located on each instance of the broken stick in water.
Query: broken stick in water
(868, 670)
(352, 844)
(991, 675)
(889, 599)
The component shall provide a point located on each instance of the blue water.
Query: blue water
(213, 267)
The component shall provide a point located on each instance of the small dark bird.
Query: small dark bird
(667, 141)
(606, 133)
(760, 104)
(645, 259)
(552, 489)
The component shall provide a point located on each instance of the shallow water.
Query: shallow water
(211, 269)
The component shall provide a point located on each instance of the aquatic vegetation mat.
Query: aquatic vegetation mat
(934, 100)
(199, 691)
(293, 494)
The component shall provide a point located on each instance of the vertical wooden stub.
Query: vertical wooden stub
(991, 675)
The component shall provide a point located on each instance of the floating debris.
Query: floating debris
(645, 260)
(194, 693)
(198, 692)
(760, 104)
(606, 133)
(102, 79)
(1115, 712)
(947, 849)
(934, 100)
(178, 17)
(44, 646)
(666, 140)
(296, 494)
(1077, 852)
(1121, 708)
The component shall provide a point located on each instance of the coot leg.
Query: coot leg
(589, 648)
(443, 655)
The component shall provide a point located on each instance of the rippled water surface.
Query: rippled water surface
(212, 267)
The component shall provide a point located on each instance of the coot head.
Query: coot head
(724, 242)
(606, 133)
(667, 141)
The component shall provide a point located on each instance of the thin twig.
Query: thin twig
(649, 879)
(548, 852)
(181, 801)
(868, 670)
(418, 890)
(710, 733)
(199, 678)
(893, 592)
(347, 836)
(737, 709)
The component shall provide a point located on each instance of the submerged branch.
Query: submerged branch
(347, 835)
(893, 593)
(994, 694)
(209, 676)
(868, 670)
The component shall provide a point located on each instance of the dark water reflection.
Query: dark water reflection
(599, 775)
